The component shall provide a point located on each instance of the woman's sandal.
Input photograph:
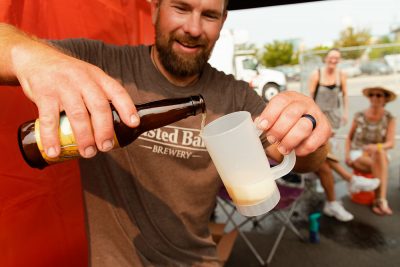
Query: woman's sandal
(381, 207)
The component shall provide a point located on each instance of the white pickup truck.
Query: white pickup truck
(244, 66)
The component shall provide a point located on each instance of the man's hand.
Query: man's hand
(284, 125)
(56, 82)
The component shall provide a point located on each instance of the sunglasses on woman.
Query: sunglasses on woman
(378, 95)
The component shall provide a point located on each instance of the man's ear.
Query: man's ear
(155, 5)
(225, 15)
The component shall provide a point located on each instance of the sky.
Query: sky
(315, 23)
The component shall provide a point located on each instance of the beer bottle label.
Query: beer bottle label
(69, 148)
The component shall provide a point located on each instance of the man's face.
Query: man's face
(186, 32)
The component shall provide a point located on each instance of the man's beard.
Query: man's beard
(178, 64)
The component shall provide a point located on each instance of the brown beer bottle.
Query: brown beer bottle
(152, 115)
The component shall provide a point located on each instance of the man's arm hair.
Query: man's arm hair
(12, 39)
(8, 35)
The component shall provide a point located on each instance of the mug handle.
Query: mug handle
(285, 166)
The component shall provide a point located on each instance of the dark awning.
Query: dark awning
(243, 4)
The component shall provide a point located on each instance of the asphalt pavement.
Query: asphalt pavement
(369, 240)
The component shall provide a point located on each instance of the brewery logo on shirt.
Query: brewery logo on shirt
(174, 141)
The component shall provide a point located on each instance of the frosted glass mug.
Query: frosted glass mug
(235, 147)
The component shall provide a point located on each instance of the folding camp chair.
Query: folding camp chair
(290, 196)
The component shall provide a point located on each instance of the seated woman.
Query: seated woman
(372, 133)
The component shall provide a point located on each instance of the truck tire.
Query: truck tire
(269, 91)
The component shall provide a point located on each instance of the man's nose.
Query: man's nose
(193, 25)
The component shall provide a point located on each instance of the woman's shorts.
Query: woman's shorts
(355, 154)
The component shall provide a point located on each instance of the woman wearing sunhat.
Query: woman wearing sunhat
(372, 133)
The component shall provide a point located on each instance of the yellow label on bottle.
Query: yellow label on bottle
(69, 148)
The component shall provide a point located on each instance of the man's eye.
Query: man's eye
(211, 16)
(180, 9)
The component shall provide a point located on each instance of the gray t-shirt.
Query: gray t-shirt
(149, 203)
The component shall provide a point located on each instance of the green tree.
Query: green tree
(350, 37)
(380, 52)
(385, 39)
(320, 51)
(295, 58)
(278, 53)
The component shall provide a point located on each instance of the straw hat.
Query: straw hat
(390, 95)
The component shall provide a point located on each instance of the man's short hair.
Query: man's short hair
(226, 5)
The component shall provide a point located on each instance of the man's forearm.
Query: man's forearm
(9, 37)
(13, 43)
